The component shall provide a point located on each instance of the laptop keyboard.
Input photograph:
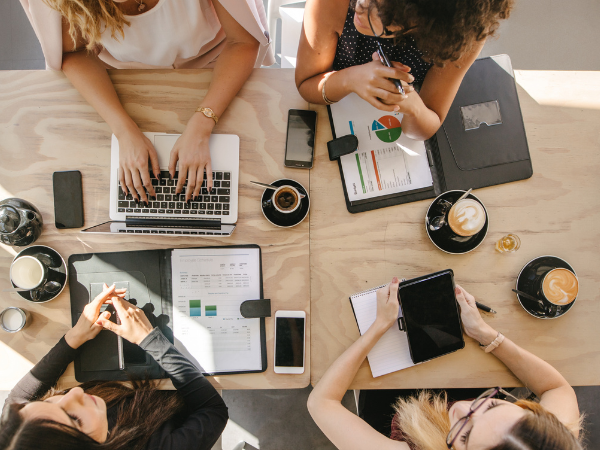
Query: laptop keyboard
(214, 203)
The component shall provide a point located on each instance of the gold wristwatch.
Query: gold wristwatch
(208, 113)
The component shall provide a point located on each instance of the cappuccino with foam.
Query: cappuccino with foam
(466, 217)
(560, 286)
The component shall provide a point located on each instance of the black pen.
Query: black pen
(386, 62)
(485, 308)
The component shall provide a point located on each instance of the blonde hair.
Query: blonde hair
(90, 18)
(425, 423)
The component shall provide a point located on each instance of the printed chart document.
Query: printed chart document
(209, 285)
(391, 353)
(386, 162)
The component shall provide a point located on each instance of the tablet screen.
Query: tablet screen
(431, 315)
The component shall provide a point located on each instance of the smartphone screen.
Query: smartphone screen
(289, 341)
(300, 142)
(432, 316)
(68, 199)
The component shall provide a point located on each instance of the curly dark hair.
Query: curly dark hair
(444, 30)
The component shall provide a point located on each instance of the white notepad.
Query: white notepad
(209, 285)
(391, 353)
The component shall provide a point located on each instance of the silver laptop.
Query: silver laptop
(214, 213)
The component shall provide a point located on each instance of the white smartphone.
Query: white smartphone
(290, 330)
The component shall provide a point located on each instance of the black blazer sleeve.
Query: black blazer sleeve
(43, 375)
(205, 410)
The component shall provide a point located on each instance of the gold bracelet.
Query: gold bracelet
(325, 99)
(208, 113)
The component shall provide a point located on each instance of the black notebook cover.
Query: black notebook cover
(474, 158)
(149, 276)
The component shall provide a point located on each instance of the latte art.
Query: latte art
(466, 217)
(560, 286)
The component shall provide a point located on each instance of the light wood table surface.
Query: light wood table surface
(556, 212)
(46, 126)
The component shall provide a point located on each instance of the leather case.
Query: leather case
(467, 152)
(149, 275)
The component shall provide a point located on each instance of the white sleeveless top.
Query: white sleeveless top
(173, 34)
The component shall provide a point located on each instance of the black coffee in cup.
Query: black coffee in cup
(286, 199)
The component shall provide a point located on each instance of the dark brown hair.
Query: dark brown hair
(444, 30)
(141, 410)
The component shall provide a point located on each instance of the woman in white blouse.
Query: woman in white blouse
(101, 34)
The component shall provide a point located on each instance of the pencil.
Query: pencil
(485, 308)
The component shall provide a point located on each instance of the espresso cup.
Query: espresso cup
(14, 319)
(559, 286)
(286, 199)
(466, 217)
(28, 272)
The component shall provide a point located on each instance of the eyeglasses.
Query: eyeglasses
(477, 403)
(384, 32)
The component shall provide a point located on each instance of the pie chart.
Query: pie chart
(387, 128)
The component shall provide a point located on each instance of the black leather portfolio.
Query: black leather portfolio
(148, 274)
(481, 142)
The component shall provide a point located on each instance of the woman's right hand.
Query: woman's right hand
(134, 326)
(371, 82)
(134, 151)
(473, 323)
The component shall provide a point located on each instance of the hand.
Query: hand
(193, 154)
(134, 151)
(387, 304)
(371, 82)
(473, 323)
(86, 327)
(134, 326)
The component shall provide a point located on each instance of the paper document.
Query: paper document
(386, 162)
(209, 285)
(391, 353)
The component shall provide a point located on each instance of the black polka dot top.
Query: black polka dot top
(355, 48)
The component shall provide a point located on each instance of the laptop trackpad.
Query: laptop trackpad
(163, 143)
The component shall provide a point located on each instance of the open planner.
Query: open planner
(481, 142)
(428, 324)
(208, 301)
(391, 352)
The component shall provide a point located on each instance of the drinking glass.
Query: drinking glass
(508, 244)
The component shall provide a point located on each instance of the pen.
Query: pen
(485, 308)
(386, 62)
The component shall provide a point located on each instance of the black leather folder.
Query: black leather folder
(481, 143)
(149, 275)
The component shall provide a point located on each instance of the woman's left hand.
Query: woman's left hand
(387, 304)
(86, 327)
(193, 154)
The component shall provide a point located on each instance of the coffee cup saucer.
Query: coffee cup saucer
(278, 218)
(528, 280)
(57, 271)
(444, 238)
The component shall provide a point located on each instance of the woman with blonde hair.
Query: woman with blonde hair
(85, 37)
(428, 422)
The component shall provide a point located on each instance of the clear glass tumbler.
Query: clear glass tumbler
(508, 244)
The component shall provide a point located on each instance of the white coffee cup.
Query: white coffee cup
(292, 192)
(28, 272)
(13, 319)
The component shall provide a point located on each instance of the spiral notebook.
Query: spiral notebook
(391, 353)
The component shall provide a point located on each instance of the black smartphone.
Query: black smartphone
(431, 316)
(68, 199)
(300, 141)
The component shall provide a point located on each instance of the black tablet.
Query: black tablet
(431, 316)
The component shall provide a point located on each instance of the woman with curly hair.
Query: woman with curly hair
(429, 422)
(112, 415)
(431, 44)
(153, 34)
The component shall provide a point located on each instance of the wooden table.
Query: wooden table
(555, 212)
(46, 126)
